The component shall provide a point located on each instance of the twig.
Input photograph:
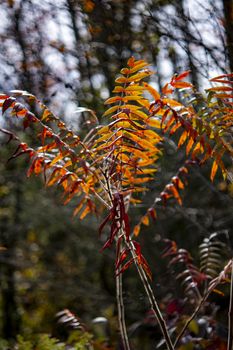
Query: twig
(212, 285)
(230, 315)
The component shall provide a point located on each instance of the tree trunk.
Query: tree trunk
(228, 13)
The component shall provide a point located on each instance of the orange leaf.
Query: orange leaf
(138, 66)
(172, 103)
(145, 220)
(78, 208)
(125, 71)
(118, 89)
(154, 123)
(182, 84)
(131, 62)
(189, 146)
(121, 80)
(112, 100)
(166, 90)
(139, 76)
(86, 211)
(182, 139)
(152, 91)
(214, 170)
(134, 87)
(136, 230)
(220, 88)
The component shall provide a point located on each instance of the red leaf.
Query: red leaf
(137, 248)
(122, 257)
(36, 166)
(22, 149)
(182, 75)
(106, 245)
(7, 104)
(164, 195)
(125, 267)
(127, 226)
(152, 213)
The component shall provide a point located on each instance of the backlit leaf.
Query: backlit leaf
(145, 220)
(152, 91)
(213, 170)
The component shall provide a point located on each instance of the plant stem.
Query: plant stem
(121, 312)
(153, 303)
(230, 315)
(212, 285)
(180, 335)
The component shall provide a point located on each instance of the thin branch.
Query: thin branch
(230, 315)
(212, 285)
(121, 309)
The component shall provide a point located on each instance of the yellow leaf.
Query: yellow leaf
(154, 123)
(85, 212)
(103, 130)
(46, 114)
(147, 171)
(138, 66)
(110, 110)
(152, 134)
(142, 180)
(172, 103)
(129, 106)
(193, 327)
(146, 144)
(139, 76)
(217, 291)
(135, 201)
(104, 137)
(197, 149)
(140, 114)
(56, 159)
(134, 87)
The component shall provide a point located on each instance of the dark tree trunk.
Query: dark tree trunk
(228, 13)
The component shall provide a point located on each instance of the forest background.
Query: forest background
(68, 54)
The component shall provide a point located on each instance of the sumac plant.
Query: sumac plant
(114, 163)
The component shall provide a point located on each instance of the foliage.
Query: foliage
(114, 163)
(46, 342)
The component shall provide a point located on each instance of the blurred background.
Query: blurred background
(68, 53)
